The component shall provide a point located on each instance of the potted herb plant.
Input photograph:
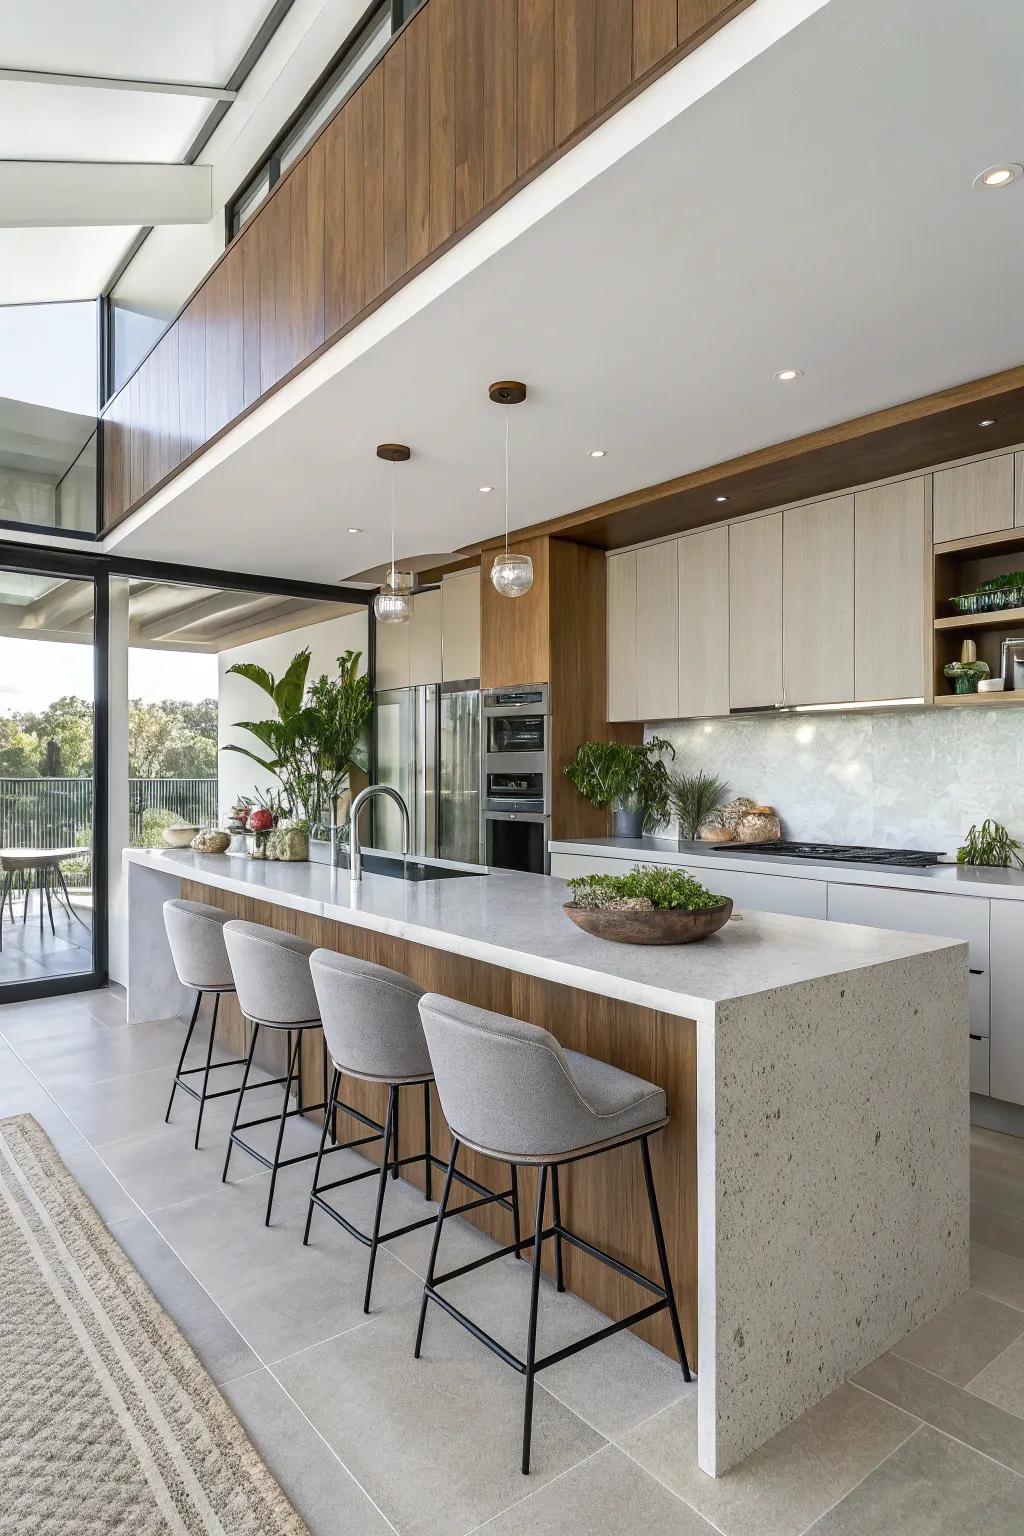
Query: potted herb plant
(630, 781)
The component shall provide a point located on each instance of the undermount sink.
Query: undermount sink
(413, 869)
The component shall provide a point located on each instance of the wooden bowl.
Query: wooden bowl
(666, 926)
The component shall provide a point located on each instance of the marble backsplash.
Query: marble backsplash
(910, 779)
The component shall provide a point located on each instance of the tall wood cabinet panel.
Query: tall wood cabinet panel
(515, 632)
(755, 612)
(1018, 490)
(703, 576)
(460, 626)
(817, 602)
(890, 546)
(973, 498)
(657, 633)
(621, 636)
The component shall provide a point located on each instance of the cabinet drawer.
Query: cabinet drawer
(947, 917)
(767, 893)
(568, 865)
(1007, 1057)
(979, 1064)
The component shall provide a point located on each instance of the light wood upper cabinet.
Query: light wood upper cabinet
(890, 547)
(1018, 490)
(621, 606)
(392, 655)
(703, 571)
(657, 642)
(460, 626)
(425, 638)
(755, 612)
(817, 602)
(973, 498)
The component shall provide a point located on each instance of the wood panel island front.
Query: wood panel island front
(813, 1175)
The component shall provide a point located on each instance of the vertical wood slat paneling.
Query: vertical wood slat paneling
(249, 250)
(372, 92)
(535, 129)
(302, 287)
(165, 405)
(441, 135)
(613, 50)
(574, 66)
(192, 374)
(501, 108)
(396, 256)
(225, 392)
(655, 24)
(694, 16)
(417, 138)
(352, 264)
(470, 110)
(335, 205)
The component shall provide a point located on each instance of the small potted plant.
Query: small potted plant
(261, 824)
(991, 845)
(965, 675)
(630, 781)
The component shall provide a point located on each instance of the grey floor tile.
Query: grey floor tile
(608, 1495)
(930, 1487)
(1002, 1382)
(435, 1442)
(952, 1409)
(13, 1072)
(997, 1229)
(1002, 1191)
(84, 1052)
(215, 1340)
(312, 1477)
(36, 1101)
(162, 1167)
(961, 1339)
(283, 1297)
(787, 1483)
(134, 1105)
(997, 1274)
(28, 1020)
(994, 1152)
(112, 1202)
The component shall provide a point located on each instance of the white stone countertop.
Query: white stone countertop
(516, 921)
(954, 879)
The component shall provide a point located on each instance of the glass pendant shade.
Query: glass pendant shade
(512, 575)
(393, 603)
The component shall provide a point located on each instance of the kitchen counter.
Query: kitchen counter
(956, 879)
(813, 1173)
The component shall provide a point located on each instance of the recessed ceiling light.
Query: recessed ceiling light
(785, 374)
(353, 530)
(485, 490)
(597, 453)
(998, 175)
(989, 421)
(721, 498)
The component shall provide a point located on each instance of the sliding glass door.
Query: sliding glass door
(53, 623)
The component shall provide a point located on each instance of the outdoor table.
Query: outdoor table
(43, 863)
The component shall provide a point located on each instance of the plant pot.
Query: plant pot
(627, 823)
(667, 926)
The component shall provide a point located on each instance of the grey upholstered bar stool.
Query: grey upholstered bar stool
(195, 933)
(275, 991)
(510, 1091)
(372, 1027)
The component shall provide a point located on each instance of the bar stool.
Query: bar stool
(510, 1091)
(195, 933)
(371, 1022)
(275, 991)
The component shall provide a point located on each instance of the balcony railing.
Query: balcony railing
(57, 813)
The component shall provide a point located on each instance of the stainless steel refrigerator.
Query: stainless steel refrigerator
(428, 748)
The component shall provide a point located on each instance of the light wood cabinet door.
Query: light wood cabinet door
(703, 572)
(973, 498)
(817, 602)
(1018, 490)
(621, 636)
(755, 612)
(392, 655)
(425, 638)
(460, 626)
(890, 549)
(657, 633)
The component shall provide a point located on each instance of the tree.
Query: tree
(68, 723)
(172, 739)
(150, 736)
(19, 751)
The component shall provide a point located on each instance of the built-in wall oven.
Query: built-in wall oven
(516, 778)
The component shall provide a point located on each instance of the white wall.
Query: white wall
(242, 700)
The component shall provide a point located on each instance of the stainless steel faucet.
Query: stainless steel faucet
(355, 848)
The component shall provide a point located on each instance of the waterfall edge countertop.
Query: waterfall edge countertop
(516, 921)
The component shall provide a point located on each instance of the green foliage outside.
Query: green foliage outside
(663, 888)
(172, 739)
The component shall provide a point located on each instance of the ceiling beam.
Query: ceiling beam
(60, 606)
(68, 194)
(117, 83)
(174, 620)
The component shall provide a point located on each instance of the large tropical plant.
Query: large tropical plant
(616, 775)
(337, 714)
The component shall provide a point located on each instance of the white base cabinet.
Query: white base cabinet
(979, 1065)
(1007, 1052)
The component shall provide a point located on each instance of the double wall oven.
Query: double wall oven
(517, 778)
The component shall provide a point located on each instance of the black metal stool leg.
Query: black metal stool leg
(531, 1339)
(238, 1101)
(435, 1242)
(181, 1058)
(292, 1054)
(329, 1103)
(428, 1167)
(394, 1165)
(298, 1090)
(516, 1224)
(206, 1073)
(390, 1130)
(556, 1210)
(659, 1238)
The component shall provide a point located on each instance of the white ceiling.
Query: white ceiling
(815, 210)
(189, 41)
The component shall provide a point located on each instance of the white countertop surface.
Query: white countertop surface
(515, 920)
(954, 879)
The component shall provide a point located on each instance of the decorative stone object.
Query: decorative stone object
(211, 841)
(732, 814)
(760, 825)
(289, 844)
(711, 832)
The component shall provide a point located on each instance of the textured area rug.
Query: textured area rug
(108, 1422)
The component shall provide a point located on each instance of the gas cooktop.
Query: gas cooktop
(907, 858)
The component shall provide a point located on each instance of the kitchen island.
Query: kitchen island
(813, 1176)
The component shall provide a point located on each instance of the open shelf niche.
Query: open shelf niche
(960, 565)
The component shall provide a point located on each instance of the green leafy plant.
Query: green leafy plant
(616, 775)
(337, 714)
(664, 889)
(694, 798)
(998, 583)
(991, 844)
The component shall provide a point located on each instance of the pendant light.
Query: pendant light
(512, 575)
(393, 603)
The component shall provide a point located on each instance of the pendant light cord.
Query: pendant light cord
(506, 478)
(392, 525)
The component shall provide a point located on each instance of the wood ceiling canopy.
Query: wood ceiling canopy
(896, 441)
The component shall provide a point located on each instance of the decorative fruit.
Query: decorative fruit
(260, 821)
